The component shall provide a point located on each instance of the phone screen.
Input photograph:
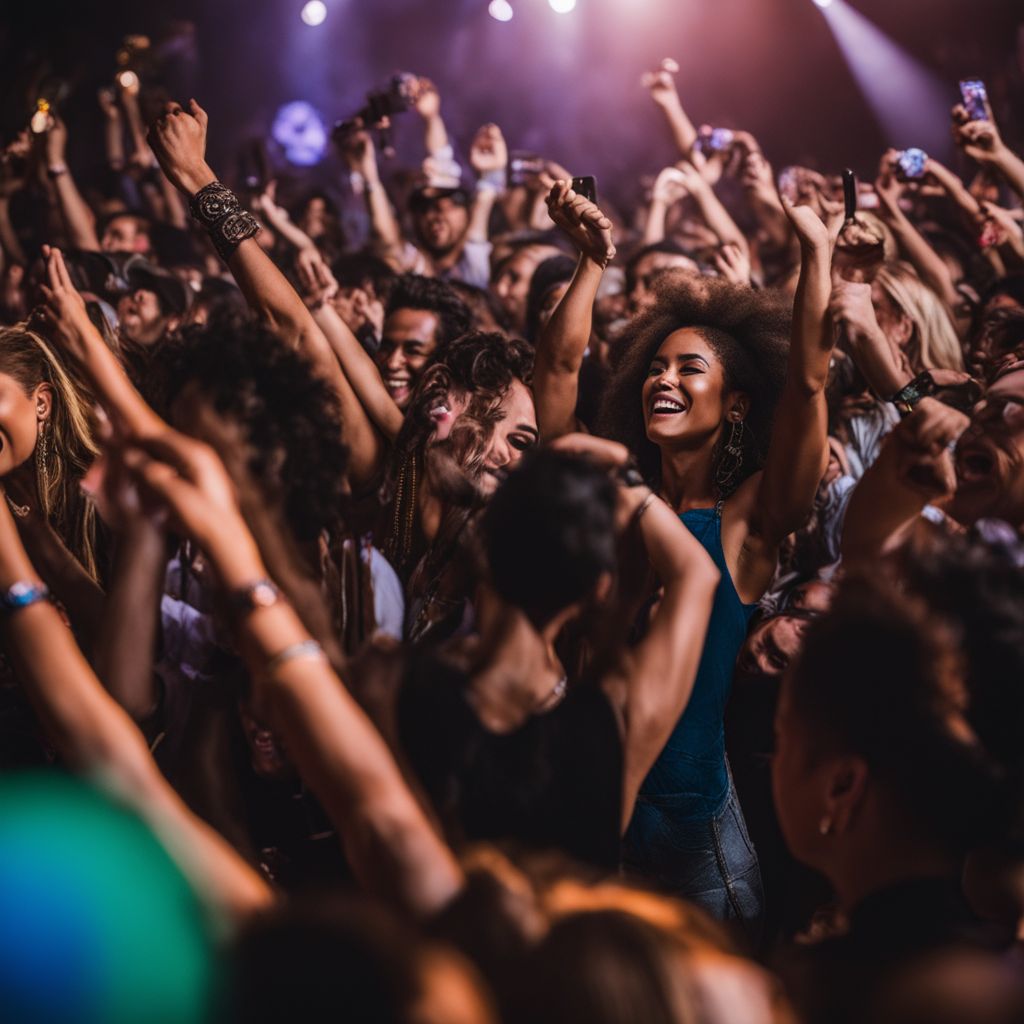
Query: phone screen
(586, 187)
(975, 98)
(912, 162)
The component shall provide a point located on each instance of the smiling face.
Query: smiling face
(410, 337)
(20, 416)
(514, 433)
(141, 318)
(685, 400)
(441, 224)
(990, 457)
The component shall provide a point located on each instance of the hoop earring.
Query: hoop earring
(42, 467)
(732, 459)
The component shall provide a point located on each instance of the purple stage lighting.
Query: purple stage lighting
(908, 100)
(299, 130)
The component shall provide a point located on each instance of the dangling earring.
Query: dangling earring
(42, 467)
(732, 459)
(825, 825)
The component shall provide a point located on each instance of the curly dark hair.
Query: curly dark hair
(411, 291)
(248, 374)
(484, 367)
(749, 332)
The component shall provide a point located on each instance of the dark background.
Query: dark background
(564, 85)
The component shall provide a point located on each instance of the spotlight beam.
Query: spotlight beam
(909, 101)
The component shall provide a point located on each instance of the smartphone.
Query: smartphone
(715, 140)
(850, 193)
(975, 98)
(911, 164)
(522, 167)
(586, 187)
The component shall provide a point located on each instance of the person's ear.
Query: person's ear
(903, 330)
(847, 786)
(603, 588)
(43, 396)
(737, 407)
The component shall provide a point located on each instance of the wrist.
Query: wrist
(196, 178)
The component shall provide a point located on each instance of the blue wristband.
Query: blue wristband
(21, 595)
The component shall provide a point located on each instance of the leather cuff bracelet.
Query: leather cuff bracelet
(217, 208)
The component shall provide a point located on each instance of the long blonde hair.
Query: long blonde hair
(933, 345)
(69, 442)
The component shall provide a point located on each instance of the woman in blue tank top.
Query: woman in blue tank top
(720, 394)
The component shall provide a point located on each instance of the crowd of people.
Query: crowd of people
(524, 610)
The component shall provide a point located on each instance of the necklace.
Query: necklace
(555, 697)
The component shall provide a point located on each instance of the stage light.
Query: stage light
(299, 131)
(500, 10)
(314, 12)
(562, 6)
(823, 3)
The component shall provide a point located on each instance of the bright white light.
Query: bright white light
(500, 10)
(823, 3)
(314, 12)
(562, 6)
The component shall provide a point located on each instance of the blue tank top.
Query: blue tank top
(692, 766)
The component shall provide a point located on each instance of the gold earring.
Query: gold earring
(42, 467)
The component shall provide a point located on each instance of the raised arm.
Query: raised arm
(75, 213)
(662, 88)
(564, 340)
(715, 215)
(798, 453)
(651, 683)
(669, 188)
(113, 129)
(925, 259)
(391, 846)
(884, 366)
(981, 141)
(97, 738)
(914, 468)
(359, 153)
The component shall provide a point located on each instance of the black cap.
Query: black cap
(173, 294)
(424, 196)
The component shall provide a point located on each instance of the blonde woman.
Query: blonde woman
(915, 319)
(46, 445)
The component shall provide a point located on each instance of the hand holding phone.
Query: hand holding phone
(586, 187)
(975, 99)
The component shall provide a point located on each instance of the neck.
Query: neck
(515, 668)
(878, 865)
(687, 478)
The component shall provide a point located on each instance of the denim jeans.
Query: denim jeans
(710, 863)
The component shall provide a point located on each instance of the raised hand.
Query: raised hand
(812, 231)
(661, 85)
(63, 311)
(56, 141)
(998, 227)
(359, 153)
(851, 305)
(315, 277)
(489, 153)
(923, 446)
(887, 185)
(733, 264)
(669, 187)
(426, 99)
(589, 230)
(108, 102)
(187, 479)
(178, 138)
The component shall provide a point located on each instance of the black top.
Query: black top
(839, 979)
(553, 783)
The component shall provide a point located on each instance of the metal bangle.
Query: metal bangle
(304, 649)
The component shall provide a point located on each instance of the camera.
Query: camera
(911, 164)
(381, 105)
